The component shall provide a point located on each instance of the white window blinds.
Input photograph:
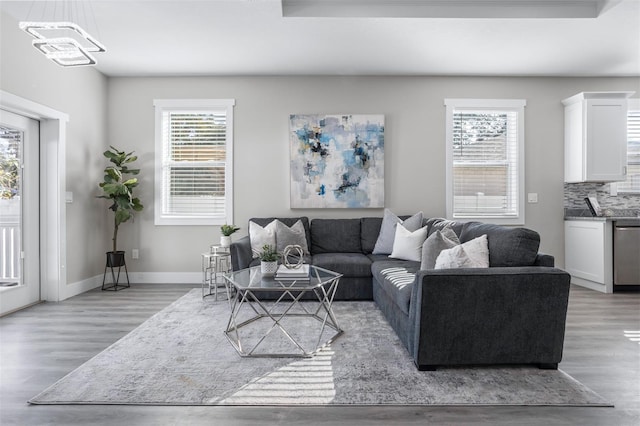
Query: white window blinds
(485, 170)
(632, 184)
(194, 167)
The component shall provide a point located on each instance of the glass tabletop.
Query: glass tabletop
(252, 279)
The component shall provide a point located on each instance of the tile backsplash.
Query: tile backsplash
(574, 194)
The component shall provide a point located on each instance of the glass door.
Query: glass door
(19, 212)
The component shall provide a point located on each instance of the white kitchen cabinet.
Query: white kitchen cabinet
(588, 253)
(595, 137)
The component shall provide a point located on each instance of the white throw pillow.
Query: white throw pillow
(384, 243)
(259, 236)
(472, 254)
(407, 245)
(294, 235)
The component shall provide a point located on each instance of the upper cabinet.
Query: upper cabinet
(595, 137)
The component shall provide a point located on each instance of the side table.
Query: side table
(214, 263)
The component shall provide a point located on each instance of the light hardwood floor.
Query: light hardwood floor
(41, 344)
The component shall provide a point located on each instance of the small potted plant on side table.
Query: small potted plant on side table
(268, 260)
(227, 230)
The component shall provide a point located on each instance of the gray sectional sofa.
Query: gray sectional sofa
(513, 312)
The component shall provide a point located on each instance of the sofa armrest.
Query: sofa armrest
(545, 260)
(501, 315)
(241, 254)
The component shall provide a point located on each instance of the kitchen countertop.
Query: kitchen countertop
(630, 216)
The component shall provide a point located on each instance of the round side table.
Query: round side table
(214, 263)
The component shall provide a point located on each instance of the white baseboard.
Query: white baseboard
(603, 288)
(79, 287)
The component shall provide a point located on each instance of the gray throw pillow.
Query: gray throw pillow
(440, 240)
(294, 235)
(384, 244)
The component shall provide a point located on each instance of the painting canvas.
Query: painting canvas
(337, 161)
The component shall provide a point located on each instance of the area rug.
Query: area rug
(180, 356)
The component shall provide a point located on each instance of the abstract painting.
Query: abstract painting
(337, 161)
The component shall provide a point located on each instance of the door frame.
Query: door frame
(53, 127)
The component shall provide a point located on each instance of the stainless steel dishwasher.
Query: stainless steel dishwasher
(626, 252)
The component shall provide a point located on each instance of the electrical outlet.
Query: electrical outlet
(135, 254)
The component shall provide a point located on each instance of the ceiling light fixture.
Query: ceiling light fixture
(64, 42)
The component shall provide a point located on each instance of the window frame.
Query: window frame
(165, 105)
(509, 105)
(616, 188)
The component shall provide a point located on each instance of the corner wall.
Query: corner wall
(82, 94)
(414, 146)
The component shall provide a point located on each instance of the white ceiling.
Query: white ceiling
(251, 37)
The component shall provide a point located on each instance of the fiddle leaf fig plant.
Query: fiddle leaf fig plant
(117, 187)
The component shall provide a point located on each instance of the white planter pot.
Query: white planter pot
(268, 268)
(225, 241)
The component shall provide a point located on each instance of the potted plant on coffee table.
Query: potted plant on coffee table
(268, 260)
(227, 230)
(117, 187)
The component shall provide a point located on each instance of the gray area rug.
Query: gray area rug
(180, 356)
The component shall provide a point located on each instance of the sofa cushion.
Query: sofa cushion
(507, 246)
(396, 279)
(335, 236)
(369, 231)
(347, 264)
(472, 254)
(384, 243)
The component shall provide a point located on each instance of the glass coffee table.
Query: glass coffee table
(284, 310)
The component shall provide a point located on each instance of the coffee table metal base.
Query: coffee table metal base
(286, 302)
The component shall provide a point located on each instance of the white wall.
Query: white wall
(82, 94)
(119, 111)
(414, 146)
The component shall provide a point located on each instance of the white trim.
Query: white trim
(53, 275)
(633, 104)
(162, 105)
(79, 287)
(516, 105)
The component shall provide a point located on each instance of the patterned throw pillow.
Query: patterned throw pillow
(294, 235)
(472, 254)
(259, 236)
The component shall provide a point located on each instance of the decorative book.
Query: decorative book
(300, 273)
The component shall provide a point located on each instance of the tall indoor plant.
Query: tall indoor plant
(118, 187)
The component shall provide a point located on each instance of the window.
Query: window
(485, 160)
(194, 161)
(632, 184)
